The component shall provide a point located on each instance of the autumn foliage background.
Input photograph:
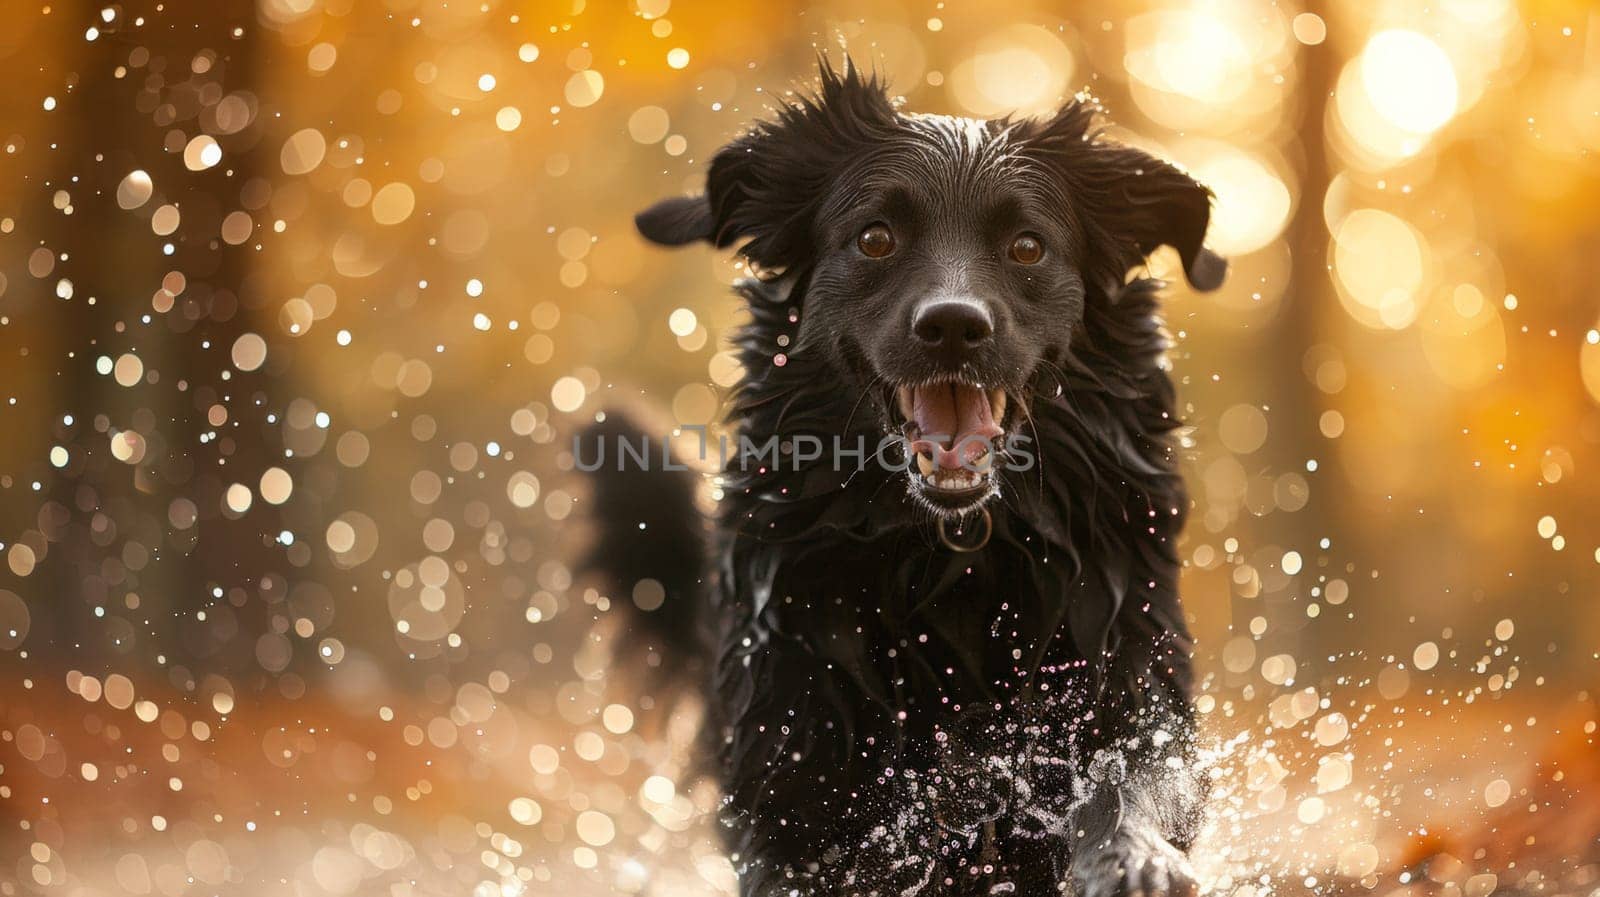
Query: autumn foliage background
(301, 301)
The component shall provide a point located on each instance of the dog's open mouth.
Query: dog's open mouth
(952, 431)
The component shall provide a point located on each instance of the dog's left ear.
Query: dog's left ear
(1131, 201)
(1153, 203)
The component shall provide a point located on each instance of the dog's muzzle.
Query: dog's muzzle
(952, 430)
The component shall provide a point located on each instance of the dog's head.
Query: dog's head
(946, 261)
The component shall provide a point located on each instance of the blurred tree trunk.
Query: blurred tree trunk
(35, 43)
(141, 543)
(1294, 401)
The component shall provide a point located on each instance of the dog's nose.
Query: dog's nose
(952, 327)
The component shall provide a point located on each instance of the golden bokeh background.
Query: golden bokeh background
(302, 300)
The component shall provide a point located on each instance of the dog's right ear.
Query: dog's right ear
(676, 221)
(721, 215)
(765, 187)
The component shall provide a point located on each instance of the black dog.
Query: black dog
(968, 673)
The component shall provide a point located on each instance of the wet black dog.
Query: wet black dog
(968, 672)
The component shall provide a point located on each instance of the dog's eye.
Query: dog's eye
(875, 242)
(1027, 249)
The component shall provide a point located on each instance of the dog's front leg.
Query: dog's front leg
(1139, 799)
(1125, 841)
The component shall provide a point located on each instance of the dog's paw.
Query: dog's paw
(1133, 864)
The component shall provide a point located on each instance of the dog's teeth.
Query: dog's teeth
(984, 463)
(997, 404)
(906, 406)
(925, 464)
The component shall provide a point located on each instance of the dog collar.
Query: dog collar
(967, 539)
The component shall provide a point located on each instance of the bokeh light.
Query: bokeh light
(1021, 69)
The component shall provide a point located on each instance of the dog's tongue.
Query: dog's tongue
(953, 421)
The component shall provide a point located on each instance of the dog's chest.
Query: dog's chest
(927, 631)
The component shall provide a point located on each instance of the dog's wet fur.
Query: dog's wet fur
(890, 715)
